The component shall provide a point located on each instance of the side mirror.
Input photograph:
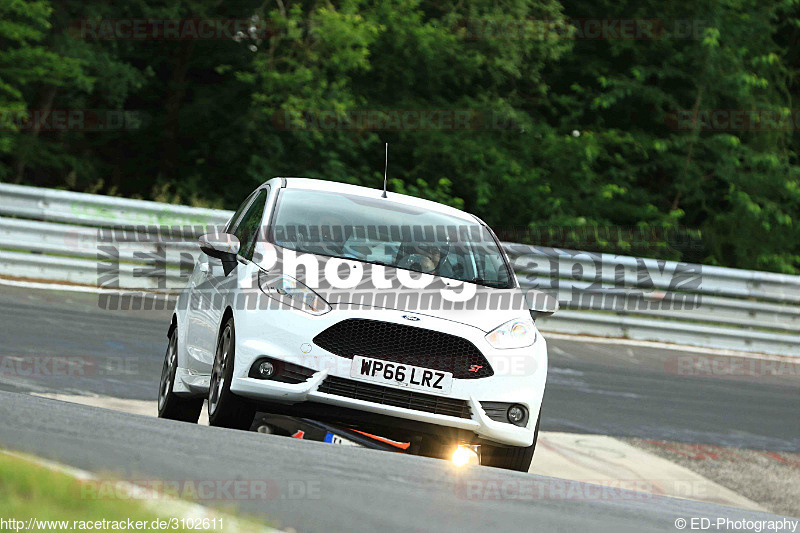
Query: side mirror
(541, 304)
(223, 246)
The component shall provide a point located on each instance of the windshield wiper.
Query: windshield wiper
(477, 280)
(486, 283)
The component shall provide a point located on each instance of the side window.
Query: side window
(232, 222)
(249, 228)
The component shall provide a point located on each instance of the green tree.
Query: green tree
(25, 61)
(553, 132)
(638, 162)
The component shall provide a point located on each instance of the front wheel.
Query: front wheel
(225, 409)
(511, 458)
(170, 405)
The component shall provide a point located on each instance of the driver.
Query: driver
(430, 259)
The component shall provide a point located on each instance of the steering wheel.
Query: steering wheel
(418, 262)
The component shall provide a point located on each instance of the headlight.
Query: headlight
(293, 293)
(517, 333)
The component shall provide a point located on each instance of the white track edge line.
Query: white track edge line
(670, 346)
(78, 288)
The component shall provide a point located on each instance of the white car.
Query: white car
(379, 311)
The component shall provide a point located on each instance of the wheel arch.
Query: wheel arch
(227, 314)
(173, 325)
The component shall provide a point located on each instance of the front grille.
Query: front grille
(497, 411)
(292, 373)
(399, 343)
(417, 401)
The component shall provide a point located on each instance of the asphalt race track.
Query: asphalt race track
(319, 487)
(594, 388)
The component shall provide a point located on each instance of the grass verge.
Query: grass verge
(32, 491)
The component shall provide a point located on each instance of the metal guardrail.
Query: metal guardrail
(646, 299)
(54, 235)
(542, 262)
(81, 241)
(88, 272)
(100, 211)
(678, 332)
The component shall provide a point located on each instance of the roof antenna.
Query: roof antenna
(385, 165)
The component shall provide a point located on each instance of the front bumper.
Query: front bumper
(519, 374)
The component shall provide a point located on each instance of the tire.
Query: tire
(170, 405)
(511, 458)
(225, 409)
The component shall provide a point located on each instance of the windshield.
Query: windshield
(380, 231)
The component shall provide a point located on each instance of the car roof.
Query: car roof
(312, 184)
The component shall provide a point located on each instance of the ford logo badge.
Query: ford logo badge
(412, 318)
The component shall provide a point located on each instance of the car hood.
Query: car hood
(484, 320)
(387, 287)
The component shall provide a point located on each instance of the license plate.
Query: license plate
(413, 377)
(336, 439)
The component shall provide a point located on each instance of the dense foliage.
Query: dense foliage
(679, 141)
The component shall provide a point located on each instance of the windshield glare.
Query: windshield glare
(380, 231)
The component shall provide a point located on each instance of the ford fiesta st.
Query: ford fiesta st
(375, 310)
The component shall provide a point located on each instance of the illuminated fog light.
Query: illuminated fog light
(266, 369)
(465, 455)
(516, 414)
